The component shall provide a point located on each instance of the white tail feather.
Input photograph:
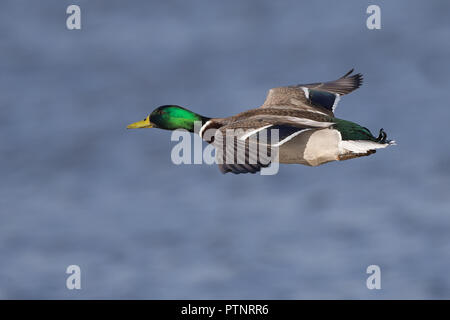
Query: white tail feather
(362, 146)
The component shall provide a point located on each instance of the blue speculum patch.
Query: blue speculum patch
(283, 132)
(322, 98)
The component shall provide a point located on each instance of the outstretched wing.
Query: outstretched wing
(247, 146)
(320, 97)
(343, 85)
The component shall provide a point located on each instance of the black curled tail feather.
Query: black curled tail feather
(382, 137)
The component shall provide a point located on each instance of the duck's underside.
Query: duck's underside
(311, 147)
(317, 147)
(249, 151)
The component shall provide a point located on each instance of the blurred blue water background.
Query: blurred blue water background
(78, 188)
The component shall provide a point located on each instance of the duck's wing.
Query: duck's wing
(320, 97)
(248, 145)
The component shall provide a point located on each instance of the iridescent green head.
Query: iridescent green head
(170, 117)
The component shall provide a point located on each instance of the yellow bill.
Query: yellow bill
(141, 124)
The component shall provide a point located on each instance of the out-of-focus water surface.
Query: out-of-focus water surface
(78, 188)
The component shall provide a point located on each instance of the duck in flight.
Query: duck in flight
(302, 116)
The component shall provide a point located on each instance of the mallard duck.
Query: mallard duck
(302, 115)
